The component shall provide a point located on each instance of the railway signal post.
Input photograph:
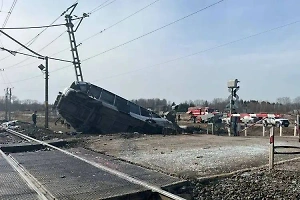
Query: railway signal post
(45, 69)
(233, 88)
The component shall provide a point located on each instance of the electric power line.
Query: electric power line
(181, 57)
(120, 21)
(162, 27)
(1, 5)
(141, 35)
(189, 55)
(203, 51)
(84, 39)
(8, 81)
(101, 6)
(34, 56)
(4, 24)
(32, 27)
(8, 15)
(29, 43)
(4, 82)
(14, 65)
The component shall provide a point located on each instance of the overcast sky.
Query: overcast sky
(266, 65)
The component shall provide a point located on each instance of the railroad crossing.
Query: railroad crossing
(55, 173)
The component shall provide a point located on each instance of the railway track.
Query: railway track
(85, 177)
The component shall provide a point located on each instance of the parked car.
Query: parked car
(276, 122)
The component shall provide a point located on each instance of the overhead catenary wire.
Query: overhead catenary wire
(1, 71)
(181, 57)
(47, 45)
(8, 16)
(34, 56)
(141, 35)
(111, 26)
(162, 27)
(32, 27)
(101, 6)
(150, 32)
(120, 21)
(1, 5)
(4, 24)
(29, 43)
(8, 81)
(9, 13)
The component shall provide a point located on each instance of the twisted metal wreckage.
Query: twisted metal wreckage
(91, 109)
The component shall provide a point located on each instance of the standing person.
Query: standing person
(194, 117)
(34, 118)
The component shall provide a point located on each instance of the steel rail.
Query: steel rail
(42, 193)
(122, 175)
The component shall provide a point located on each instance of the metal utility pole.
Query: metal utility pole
(9, 105)
(39, 56)
(46, 93)
(74, 50)
(45, 69)
(6, 102)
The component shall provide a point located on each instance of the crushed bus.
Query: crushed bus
(91, 109)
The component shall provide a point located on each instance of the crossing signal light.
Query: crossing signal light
(232, 102)
(235, 90)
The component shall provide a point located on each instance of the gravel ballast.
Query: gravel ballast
(278, 184)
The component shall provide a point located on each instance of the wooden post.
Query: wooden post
(271, 149)
(264, 130)
(280, 131)
(246, 127)
(238, 129)
(212, 128)
(295, 130)
(298, 125)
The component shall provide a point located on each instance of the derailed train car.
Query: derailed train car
(91, 109)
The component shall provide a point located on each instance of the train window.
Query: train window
(95, 91)
(75, 86)
(121, 104)
(155, 115)
(83, 88)
(108, 97)
(145, 112)
(134, 108)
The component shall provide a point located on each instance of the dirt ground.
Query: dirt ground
(194, 155)
(184, 155)
(197, 155)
